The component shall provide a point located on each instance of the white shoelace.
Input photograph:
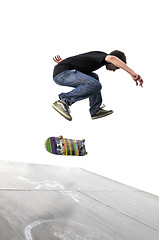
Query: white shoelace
(66, 107)
(103, 106)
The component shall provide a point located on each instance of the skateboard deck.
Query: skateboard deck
(65, 146)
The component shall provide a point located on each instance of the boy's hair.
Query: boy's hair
(119, 55)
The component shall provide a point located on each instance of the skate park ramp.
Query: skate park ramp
(40, 202)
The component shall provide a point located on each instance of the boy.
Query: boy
(77, 72)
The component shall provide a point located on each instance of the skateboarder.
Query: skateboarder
(77, 72)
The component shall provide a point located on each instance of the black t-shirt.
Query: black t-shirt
(85, 63)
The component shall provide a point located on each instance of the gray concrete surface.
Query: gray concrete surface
(39, 202)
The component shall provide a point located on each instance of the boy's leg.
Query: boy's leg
(84, 86)
(95, 102)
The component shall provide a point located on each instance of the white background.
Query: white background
(122, 146)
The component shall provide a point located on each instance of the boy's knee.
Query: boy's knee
(95, 76)
(98, 86)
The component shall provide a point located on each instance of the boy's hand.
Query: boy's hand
(57, 59)
(137, 78)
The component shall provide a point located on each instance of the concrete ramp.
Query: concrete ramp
(39, 202)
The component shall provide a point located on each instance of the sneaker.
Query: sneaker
(63, 109)
(101, 113)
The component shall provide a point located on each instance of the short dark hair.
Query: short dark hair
(119, 55)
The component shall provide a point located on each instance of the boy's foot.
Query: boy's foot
(63, 109)
(101, 113)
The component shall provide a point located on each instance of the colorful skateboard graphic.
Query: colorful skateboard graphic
(65, 146)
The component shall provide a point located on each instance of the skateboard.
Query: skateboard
(65, 146)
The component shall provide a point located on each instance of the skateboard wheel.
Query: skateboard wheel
(60, 137)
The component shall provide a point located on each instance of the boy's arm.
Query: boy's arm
(57, 59)
(120, 64)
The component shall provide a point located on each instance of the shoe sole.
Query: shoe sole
(62, 113)
(102, 115)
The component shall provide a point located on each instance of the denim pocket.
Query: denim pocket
(58, 78)
(61, 77)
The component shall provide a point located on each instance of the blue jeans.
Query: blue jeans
(86, 86)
